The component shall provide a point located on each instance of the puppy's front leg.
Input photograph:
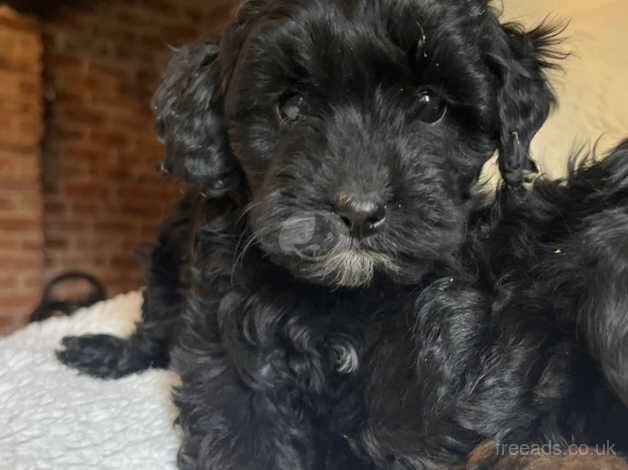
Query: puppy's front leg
(417, 376)
(236, 410)
(230, 427)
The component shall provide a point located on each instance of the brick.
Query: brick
(35, 247)
(6, 204)
(83, 115)
(70, 97)
(124, 262)
(85, 152)
(181, 31)
(54, 208)
(15, 224)
(53, 243)
(84, 190)
(21, 261)
(8, 281)
(7, 244)
(17, 303)
(112, 227)
(110, 139)
(32, 284)
(8, 323)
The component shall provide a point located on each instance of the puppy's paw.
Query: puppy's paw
(101, 356)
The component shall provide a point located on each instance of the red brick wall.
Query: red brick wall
(102, 193)
(83, 77)
(21, 228)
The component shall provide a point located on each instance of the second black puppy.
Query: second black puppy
(338, 302)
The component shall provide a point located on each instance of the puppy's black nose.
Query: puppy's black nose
(363, 214)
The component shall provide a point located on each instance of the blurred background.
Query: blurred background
(78, 185)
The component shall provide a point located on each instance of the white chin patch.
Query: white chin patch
(350, 268)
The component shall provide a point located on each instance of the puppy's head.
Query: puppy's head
(356, 127)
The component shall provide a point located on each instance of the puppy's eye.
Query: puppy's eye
(431, 108)
(289, 108)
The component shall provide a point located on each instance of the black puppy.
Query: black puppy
(332, 296)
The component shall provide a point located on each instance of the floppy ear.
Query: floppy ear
(524, 97)
(189, 121)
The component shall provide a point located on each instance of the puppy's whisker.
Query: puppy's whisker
(244, 234)
(241, 249)
(247, 210)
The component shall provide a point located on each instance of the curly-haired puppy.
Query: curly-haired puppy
(331, 294)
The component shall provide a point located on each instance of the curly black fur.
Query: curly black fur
(303, 344)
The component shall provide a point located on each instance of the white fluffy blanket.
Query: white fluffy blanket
(53, 418)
